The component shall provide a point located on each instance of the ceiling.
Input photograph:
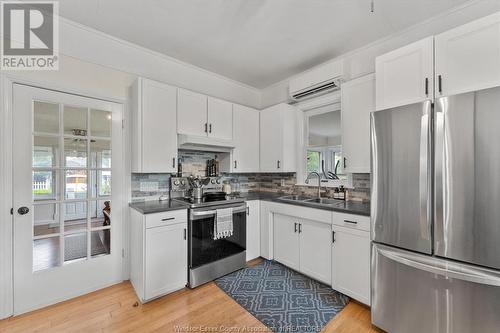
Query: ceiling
(256, 42)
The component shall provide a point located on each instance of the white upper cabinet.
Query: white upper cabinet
(246, 139)
(192, 113)
(278, 138)
(468, 57)
(358, 100)
(220, 119)
(154, 127)
(405, 76)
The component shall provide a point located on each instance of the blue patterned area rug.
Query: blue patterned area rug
(283, 299)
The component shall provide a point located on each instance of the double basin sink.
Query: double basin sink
(322, 202)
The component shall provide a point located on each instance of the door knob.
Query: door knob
(23, 210)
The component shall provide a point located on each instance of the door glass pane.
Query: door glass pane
(75, 184)
(100, 183)
(45, 219)
(100, 123)
(100, 153)
(100, 213)
(75, 246)
(75, 152)
(44, 185)
(46, 253)
(45, 152)
(75, 121)
(100, 242)
(75, 216)
(46, 117)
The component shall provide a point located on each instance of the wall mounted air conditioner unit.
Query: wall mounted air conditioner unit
(318, 81)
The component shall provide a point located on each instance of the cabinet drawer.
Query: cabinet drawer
(166, 218)
(352, 221)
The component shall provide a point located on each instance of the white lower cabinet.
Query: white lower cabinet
(253, 230)
(303, 245)
(315, 250)
(351, 262)
(158, 253)
(286, 241)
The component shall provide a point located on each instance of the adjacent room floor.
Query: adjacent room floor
(116, 309)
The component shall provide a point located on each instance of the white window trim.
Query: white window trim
(307, 109)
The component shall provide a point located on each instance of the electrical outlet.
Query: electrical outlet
(149, 186)
(282, 182)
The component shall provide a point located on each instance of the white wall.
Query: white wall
(362, 61)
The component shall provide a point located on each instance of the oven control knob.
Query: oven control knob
(218, 181)
(176, 182)
(183, 182)
(213, 181)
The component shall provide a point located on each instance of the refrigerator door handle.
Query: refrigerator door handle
(439, 162)
(442, 267)
(424, 179)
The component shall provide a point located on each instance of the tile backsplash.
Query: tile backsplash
(285, 183)
(150, 186)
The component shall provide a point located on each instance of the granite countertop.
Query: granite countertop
(351, 207)
(157, 206)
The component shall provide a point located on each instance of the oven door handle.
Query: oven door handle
(196, 214)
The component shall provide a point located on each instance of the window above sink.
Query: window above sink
(321, 142)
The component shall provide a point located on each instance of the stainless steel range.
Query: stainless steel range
(212, 252)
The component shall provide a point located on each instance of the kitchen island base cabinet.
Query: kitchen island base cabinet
(158, 253)
(351, 263)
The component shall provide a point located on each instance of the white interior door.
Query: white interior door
(67, 200)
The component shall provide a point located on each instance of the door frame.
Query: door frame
(6, 218)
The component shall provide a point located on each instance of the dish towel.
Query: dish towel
(223, 226)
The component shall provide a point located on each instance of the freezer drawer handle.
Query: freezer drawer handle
(447, 269)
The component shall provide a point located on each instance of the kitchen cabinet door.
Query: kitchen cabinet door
(468, 57)
(358, 100)
(192, 113)
(165, 259)
(316, 250)
(253, 230)
(351, 263)
(271, 139)
(278, 139)
(286, 240)
(220, 119)
(246, 139)
(154, 127)
(405, 76)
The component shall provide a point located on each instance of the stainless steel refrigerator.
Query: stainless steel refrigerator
(436, 215)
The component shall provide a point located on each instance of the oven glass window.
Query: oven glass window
(204, 249)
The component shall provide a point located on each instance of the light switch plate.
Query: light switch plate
(149, 186)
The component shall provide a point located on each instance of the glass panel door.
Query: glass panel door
(76, 224)
(65, 147)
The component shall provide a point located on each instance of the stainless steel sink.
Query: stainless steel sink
(294, 198)
(323, 201)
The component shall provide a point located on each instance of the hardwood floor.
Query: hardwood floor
(117, 309)
(112, 310)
